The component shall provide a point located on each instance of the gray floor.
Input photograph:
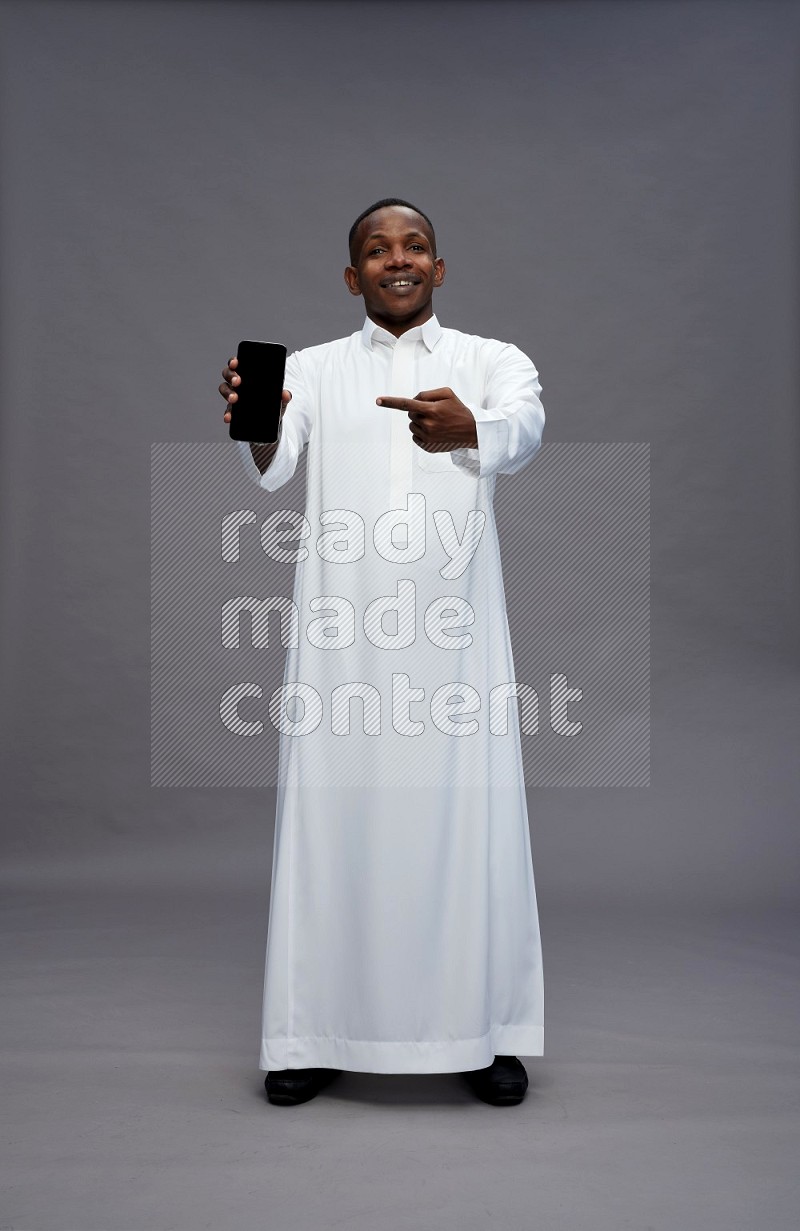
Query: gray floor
(667, 1098)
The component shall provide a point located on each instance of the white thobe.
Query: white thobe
(403, 932)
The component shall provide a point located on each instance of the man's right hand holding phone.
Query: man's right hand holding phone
(262, 454)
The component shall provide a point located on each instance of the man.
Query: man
(403, 933)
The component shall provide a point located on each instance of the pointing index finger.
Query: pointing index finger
(407, 404)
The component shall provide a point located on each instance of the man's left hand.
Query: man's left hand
(439, 421)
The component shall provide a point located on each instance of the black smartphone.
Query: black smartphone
(256, 413)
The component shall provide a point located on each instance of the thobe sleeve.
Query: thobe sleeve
(295, 430)
(509, 420)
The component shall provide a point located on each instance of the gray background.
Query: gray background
(615, 191)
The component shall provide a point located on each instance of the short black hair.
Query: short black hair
(382, 204)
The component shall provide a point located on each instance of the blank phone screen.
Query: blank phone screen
(255, 415)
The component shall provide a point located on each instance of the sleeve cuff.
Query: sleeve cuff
(492, 429)
(280, 469)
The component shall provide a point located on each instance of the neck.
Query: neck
(398, 328)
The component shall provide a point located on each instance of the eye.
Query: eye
(418, 246)
(374, 251)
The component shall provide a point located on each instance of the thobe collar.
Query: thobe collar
(430, 332)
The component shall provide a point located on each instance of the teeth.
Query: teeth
(401, 284)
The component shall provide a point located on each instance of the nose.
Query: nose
(397, 258)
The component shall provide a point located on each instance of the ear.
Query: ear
(438, 271)
(351, 278)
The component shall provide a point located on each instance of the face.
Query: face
(395, 270)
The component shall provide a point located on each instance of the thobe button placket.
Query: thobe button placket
(400, 441)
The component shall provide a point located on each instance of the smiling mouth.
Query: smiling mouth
(400, 283)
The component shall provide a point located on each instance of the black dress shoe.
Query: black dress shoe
(289, 1086)
(504, 1082)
